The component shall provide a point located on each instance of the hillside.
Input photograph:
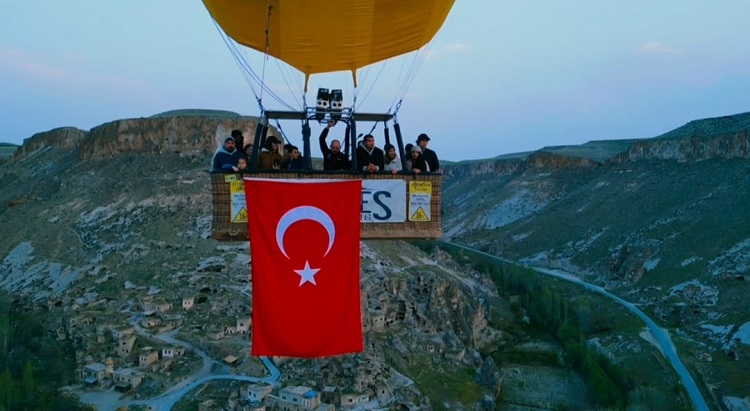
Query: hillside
(105, 227)
(662, 222)
(7, 150)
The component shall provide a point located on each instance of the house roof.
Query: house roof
(96, 366)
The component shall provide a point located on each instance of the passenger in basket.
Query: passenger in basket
(418, 165)
(226, 157)
(430, 157)
(333, 158)
(392, 162)
(295, 161)
(269, 157)
(370, 159)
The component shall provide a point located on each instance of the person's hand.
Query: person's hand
(394, 171)
(276, 166)
(416, 170)
(331, 123)
(235, 169)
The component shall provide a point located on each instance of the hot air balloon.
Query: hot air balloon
(316, 37)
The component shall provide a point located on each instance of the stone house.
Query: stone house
(353, 399)
(156, 305)
(94, 373)
(126, 346)
(298, 398)
(147, 357)
(123, 331)
(258, 392)
(126, 379)
(243, 325)
(170, 352)
(188, 303)
(150, 322)
(215, 333)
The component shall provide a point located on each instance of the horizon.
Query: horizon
(494, 81)
(509, 154)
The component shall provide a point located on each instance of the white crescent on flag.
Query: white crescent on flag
(304, 213)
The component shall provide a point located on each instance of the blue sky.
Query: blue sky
(500, 77)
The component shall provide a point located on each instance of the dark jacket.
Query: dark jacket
(420, 164)
(224, 160)
(364, 158)
(298, 164)
(339, 161)
(431, 158)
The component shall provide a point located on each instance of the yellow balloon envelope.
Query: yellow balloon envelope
(320, 36)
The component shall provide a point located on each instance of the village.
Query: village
(145, 343)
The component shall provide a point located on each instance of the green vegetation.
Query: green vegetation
(443, 384)
(32, 364)
(570, 321)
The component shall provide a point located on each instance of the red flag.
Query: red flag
(304, 243)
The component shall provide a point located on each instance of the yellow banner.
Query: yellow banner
(420, 196)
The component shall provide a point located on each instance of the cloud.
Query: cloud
(66, 71)
(655, 47)
(450, 48)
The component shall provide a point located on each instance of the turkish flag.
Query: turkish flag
(304, 243)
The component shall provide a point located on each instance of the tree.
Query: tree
(28, 385)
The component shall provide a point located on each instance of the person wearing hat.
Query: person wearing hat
(226, 157)
(430, 157)
(418, 165)
(392, 162)
(269, 157)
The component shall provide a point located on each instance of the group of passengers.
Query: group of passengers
(233, 155)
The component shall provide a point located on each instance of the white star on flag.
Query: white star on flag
(307, 274)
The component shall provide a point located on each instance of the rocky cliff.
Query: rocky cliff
(711, 138)
(66, 137)
(184, 135)
(195, 133)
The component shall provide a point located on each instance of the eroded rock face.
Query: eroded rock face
(488, 376)
(186, 135)
(67, 137)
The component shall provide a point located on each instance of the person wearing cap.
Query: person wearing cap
(392, 162)
(333, 158)
(226, 157)
(269, 157)
(430, 157)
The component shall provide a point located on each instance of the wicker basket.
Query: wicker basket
(223, 229)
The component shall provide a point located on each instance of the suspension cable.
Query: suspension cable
(247, 71)
(265, 59)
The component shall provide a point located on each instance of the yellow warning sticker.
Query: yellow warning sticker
(237, 202)
(241, 217)
(419, 215)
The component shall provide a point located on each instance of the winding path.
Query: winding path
(665, 344)
(169, 398)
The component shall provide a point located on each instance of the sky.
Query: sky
(499, 77)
